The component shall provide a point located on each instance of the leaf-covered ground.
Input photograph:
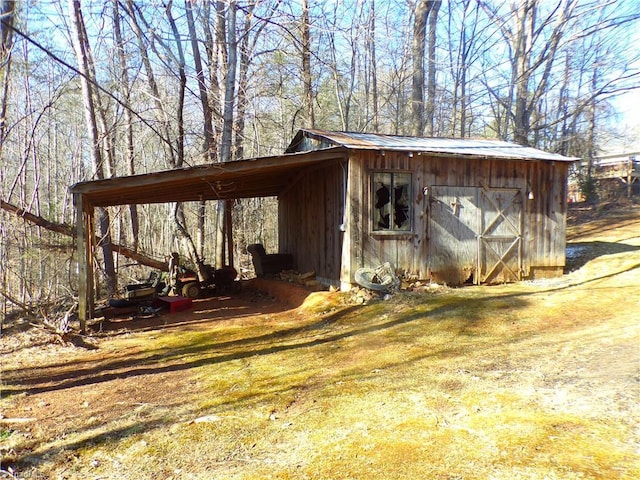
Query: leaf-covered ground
(537, 380)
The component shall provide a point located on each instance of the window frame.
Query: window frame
(375, 214)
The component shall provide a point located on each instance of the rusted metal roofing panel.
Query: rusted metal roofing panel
(439, 146)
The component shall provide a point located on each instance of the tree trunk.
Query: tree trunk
(179, 216)
(81, 46)
(243, 84)
(227, 120)
(306, 64)
(371, 42)
(229, 85)
(524, 95)
(247, 48)
(7, 13)
(421, 14)
(588, 181)
(126, 91)
(431, 82)
(525, 15)
(162, 114)
(209, 147)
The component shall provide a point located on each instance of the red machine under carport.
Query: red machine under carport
(186, 282)
(181, 287)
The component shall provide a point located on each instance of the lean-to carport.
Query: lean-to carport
(256, 177)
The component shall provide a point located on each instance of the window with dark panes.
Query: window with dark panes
(391, 201)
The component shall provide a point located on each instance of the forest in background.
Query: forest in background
(97, 89)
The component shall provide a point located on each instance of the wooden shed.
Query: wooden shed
(450, 210)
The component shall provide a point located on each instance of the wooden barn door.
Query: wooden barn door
(475, 235)
(500, 235)
(453, 230)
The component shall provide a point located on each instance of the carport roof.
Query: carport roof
(255, 177)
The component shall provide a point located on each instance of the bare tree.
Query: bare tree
(460, 60)
(172, 147)
(431, 81)
(252, 32)
(7, 13)
(373, 66)
(209, 147)
(306, 64)
(343, 67)
(533, 53)
(125, 86)
(82, 48)
(7, 10)
(421, 15)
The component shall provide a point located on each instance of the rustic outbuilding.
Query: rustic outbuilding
(449, 210)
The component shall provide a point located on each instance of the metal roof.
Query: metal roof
(255, 177)
(270, 176)
(439, 146)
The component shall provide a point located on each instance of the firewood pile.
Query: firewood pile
(307, 279)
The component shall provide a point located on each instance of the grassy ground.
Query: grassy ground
(538, 380)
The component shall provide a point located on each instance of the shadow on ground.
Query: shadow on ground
(581, 253)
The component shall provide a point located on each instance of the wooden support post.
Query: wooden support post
(84, 234)
(228, 226)
(350, 227)
(629, 177)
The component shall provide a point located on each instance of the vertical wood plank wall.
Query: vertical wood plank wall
(311, 211)
(310, 214)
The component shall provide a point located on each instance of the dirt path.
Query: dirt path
(112, 376)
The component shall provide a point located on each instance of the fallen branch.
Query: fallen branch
(70, 232)
(62, 326)
(36, 220)
(24, 307)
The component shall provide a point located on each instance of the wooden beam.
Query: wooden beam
(84, 229)
(228, 221)
(257, 177)
(352, 237)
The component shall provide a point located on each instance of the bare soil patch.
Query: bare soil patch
(537, 380)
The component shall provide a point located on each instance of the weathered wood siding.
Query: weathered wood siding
(310, 215)
(313, 209)
(452, 235)
(547, 214)
(543, 187)
(368, 248)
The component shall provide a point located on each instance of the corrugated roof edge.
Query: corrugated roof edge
(484, 148)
